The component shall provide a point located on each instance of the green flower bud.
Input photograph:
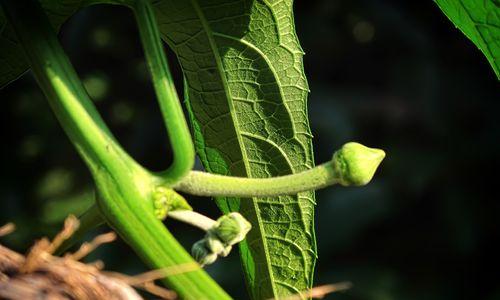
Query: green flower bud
(160, 211)
(202, 254)
(165, 200)
(215, 245)
(225, 252)
(356, 164)
(231, 228)
(177, 202)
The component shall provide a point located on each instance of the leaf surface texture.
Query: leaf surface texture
(247, 94)
(247, 100)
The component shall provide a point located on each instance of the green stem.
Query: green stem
(62, 87)
(122, 184)
(352, 165)
(192, 218)
(206, 184)
(173, 116)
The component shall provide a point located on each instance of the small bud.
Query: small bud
(215, 245)
(160, 211)
(231, 228)
(356, 164)
(165, 200)
(202, 254)
(177, 202)
(225, 252)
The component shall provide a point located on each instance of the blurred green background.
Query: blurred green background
(391, 74)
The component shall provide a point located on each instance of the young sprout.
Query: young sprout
(202, 254)
(220, 235)
(231, 228)
(166, 200)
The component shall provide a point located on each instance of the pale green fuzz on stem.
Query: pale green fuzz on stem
(355, 164)
(227, 231)
(166, 200)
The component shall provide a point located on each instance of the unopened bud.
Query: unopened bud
(202, 254)
(356, 164)
(216, 246)
(166, 200)
(231, 228)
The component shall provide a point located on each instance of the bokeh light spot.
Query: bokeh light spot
(363, 32)
(97, 85)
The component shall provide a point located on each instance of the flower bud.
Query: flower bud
(231, 228)
(225, 252)
(165, 200)
(177, 202)
(215, 245)
(160, 207)
(356, 164)
(202, 254)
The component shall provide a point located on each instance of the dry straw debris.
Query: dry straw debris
(40, 275)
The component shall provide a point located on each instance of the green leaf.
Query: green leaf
(480, 22)
(247, 98)
(243, 67)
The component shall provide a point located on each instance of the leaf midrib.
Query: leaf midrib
(282, 95)
(218, 62)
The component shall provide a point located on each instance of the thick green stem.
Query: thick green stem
(173, 116)
(62, 87)
(122, 184)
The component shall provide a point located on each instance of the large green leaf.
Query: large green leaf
(479, 20)
(247, 90)
(247, 97)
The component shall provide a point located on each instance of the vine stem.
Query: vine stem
(122, 184)
(173, 116)
(206, 184)
(352, 165)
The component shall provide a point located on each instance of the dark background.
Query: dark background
(392, 74)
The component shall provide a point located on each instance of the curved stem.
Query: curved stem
(62, 87)
(206, 184)
(123, 185)
(351, 165)
(173, 116)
